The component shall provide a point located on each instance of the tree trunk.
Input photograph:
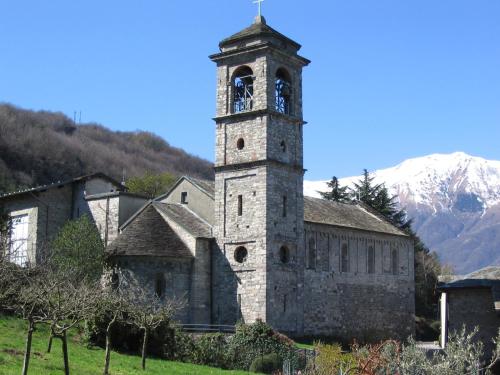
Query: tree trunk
(27, 352)
(65, 352)
(49, 346)
(144, 346)
(108, 346)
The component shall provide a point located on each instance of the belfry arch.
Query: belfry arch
(283, 91)
(242, 87)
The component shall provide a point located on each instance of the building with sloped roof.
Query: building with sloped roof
(37, 214)
(249, 245)
(471, 300)
(356, 268)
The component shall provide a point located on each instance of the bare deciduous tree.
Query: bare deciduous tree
(39, 295)
(147, 312)
(19, 293)
(113, 307)
(63, 304)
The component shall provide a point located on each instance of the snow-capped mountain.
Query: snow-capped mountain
(454, 200)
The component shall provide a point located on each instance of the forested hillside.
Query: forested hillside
(41, 147)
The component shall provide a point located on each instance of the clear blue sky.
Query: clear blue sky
(389, 79)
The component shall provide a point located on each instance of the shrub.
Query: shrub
(78, 249)
(211, 349)
(330, 360)
(462, 355)
(128, 338)
(182, 349)
(256, 340)
(266, 364)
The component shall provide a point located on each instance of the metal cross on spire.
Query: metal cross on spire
(259, 2)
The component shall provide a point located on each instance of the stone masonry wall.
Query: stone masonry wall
(285, 233)
(105, 211)
(474, 307)
(200, 275)
(239, 289)
(355, 303)
(143, 271)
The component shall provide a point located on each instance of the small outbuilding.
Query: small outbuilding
(474, 301)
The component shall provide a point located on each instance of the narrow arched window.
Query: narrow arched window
(283, 146)
(243, 89)
(283, 89)
(395, 261)
(240, 144)
(344, 258)
(371, 259)
(160, 285)
(240, 205)
(311, 259)
(284, 254)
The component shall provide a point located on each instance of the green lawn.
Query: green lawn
(82, 360)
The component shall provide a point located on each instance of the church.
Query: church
(249, 245)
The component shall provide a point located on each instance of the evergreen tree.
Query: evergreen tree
(364, 190)
(78, 248)
(377, 197)
(337, 193)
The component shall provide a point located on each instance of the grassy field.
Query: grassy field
(82, 360)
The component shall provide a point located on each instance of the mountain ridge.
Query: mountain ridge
(454, 200)
(40, 147)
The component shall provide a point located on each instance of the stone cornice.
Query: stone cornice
(259, 112)
(258, 163)
(265, 46)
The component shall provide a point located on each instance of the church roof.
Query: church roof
(316, 210)
(354, 216)
(148, 234)
(258, 29)
(186, 218)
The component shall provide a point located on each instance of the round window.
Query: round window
(240, 144)
(240, 254)
(284, 254)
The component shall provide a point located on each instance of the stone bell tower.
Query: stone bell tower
(259, 205)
